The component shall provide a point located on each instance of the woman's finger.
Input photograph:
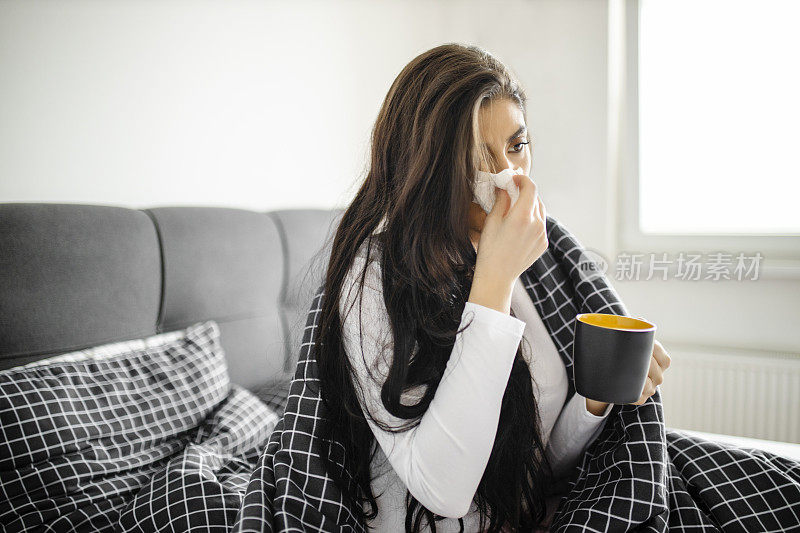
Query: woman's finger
(648, 390)
(655, 374)
(527, 194)
(542, 211)
(661, 355)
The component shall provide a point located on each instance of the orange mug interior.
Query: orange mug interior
(625, 323)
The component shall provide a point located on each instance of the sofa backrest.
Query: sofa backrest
(74, 276)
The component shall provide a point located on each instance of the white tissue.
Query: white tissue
(485, 182)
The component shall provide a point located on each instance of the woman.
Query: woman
(419, 272)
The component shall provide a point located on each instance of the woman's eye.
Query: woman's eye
(518, 146)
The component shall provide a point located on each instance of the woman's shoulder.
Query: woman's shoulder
(366, 258)
(369, 249)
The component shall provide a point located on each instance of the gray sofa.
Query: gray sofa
(76, 276)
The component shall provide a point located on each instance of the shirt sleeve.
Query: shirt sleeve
(441, 461)
(575, 430)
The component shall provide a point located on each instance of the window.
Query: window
(708, 125)
(719, 116)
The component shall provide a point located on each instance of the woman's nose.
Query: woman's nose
(506, 163)
(509, 165)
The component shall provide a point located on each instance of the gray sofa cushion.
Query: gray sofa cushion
(226, 265)
(75, 276)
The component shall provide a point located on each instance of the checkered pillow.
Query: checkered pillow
(82, 433)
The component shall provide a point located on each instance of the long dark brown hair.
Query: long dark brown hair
(425, 151)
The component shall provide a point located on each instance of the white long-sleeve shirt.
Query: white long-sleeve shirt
(441, 461)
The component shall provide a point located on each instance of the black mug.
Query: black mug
(611, 356)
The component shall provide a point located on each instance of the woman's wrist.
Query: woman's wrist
(491, 292)
(595, 407)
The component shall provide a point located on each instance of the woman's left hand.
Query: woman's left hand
(659, 362)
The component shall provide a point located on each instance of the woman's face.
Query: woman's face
(503, 130)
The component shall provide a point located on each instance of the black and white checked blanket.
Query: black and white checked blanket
(637, 475)
(133, 437)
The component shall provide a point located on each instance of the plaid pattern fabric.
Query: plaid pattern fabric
(201, 488)
(275, 394)
(637, 475)
(135, 436)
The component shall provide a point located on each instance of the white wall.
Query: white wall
(266, 105)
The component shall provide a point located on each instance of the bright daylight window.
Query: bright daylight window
(719, 116)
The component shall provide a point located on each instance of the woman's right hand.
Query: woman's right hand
(512, 239)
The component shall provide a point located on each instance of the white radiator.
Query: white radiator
(733, 392)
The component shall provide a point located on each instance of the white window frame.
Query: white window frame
(781, 252)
